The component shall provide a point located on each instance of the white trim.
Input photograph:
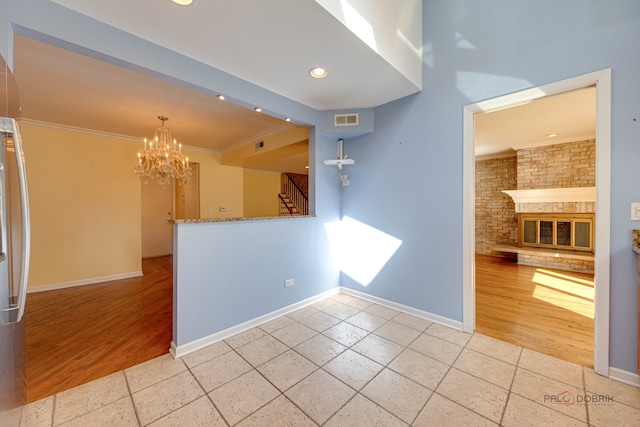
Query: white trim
(184, 349)
(435, 318)
(264, 172)
(83, 282)
(626, 377)
(555, 141)
(468, 222)
(602, 81)
(92, 132)
(603, 222)
(74, 129)
(501, 155)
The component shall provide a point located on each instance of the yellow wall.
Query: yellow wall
(219, 185)
(261, 193)
(85, 205)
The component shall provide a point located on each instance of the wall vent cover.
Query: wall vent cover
(349, 119)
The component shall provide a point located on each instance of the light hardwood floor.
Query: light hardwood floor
(79, 334)
(549, 311)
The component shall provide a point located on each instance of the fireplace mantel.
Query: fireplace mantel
(551, 195)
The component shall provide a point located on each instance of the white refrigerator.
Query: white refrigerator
(14, 255)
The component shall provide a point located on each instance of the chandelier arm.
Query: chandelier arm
(162, 159)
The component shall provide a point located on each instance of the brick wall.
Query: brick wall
(554, 166)
(496, 220)
(557, 263)
(558, 166)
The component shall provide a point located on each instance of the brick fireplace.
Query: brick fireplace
(556, 181)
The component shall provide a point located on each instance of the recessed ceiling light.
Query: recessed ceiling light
(306, 167)
(318, 72)
(287, 119)
(552, 135)
(183, 2)
(221, 97)
(258, 109)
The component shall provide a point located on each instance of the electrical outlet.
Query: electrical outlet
(635, 211)
(288, 282)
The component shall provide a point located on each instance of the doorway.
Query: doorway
(602, 82)
(156, 210)
(187, 200)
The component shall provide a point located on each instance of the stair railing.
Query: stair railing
(296, 195)
(284, 206)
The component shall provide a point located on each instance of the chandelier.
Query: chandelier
(162, 159)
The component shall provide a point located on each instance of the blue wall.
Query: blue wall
(407, 180)
(232, 272)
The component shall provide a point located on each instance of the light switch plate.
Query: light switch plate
(635, 211)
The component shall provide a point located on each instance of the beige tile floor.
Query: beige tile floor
(347, 362)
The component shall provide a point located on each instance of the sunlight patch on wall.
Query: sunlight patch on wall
(417, 50)
(477, 86)
(361, 251)
(565, 291)
(463, 43)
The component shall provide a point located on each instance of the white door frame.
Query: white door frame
(602, 81)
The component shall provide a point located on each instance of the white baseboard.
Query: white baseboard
(626, 377)
(83, 282)
(182, 350)
(435, 318)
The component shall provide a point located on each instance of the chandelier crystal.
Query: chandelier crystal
(162, 159)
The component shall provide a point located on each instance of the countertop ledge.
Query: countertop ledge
(257, 218)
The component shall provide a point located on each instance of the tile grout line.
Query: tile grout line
(133, 405)
(584, 389)
(513, 378)
(204, 390)
(445, 375)
(357, 392)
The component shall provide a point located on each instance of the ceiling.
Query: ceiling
(66, 88)
(571, 116)
(272, 44)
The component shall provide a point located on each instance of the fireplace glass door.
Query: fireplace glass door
(570, 231)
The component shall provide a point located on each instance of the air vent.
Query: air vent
(350, 119)
(259, 145)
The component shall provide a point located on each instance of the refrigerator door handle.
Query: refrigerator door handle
(16, 304)
(26, 222)
(3, 223)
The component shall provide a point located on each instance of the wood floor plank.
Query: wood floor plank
(550, 311)
(79, 334)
